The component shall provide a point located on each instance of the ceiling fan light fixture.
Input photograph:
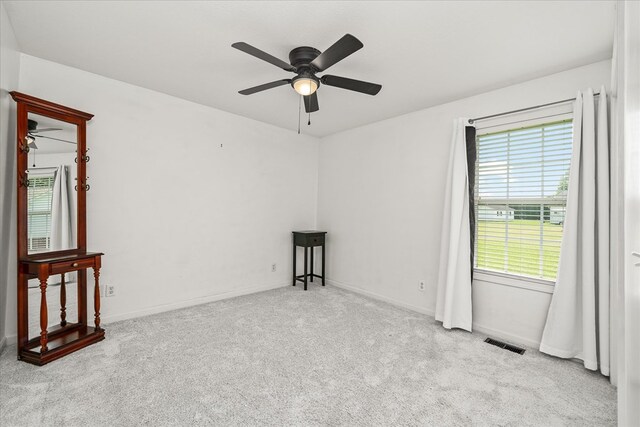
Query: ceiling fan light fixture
(305, 85)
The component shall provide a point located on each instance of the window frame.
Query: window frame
(503, 124)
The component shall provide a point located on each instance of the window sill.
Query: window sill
(504, 279)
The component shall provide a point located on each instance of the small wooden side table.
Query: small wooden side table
(308, 239)
(67, 337)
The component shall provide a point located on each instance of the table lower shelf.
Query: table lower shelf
(300, 278)
(62, 340)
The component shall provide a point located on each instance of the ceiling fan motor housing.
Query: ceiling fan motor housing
(302, 56)
(32, 125)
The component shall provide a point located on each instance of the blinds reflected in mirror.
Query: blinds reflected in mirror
(39, 201)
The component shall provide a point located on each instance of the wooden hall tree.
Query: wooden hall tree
(45, 127)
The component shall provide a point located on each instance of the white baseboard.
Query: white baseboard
(511, 338)
(189, 303)
(11, 339)
(480, 329)
(379, 297)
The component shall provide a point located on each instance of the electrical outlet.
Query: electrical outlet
(110, 291)
(273, 267)
(421, 285)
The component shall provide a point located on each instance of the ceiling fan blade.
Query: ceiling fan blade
(247, 48)
(45, 130)
(350, 84)
(311, 103)
(264, 87)
(55, 139)
(337, 52)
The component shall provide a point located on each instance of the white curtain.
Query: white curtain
(453, 304)
(578, 320)
(61, 212)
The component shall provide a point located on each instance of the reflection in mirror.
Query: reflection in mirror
(51, 199)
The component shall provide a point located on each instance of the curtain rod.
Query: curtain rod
(471, 121)
(45, 169)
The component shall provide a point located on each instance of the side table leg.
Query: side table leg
(323, 264)
(63, 300)
(294, 263)
(311, 249)
(305, 268)
(96, 297)
(44, 314)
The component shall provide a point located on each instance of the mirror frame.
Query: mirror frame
(29, 104)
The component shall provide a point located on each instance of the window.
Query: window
(39, 199)
(520, 198)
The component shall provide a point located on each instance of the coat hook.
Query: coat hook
(24, 147)
(83, 186)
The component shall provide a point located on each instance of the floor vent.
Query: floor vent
(504, 345)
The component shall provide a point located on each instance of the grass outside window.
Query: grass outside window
(519, 251)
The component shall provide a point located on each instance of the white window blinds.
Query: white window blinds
(521, 190)
(39, 199)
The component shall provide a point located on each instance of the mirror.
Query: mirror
(52, 171)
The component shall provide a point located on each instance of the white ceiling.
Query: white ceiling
(423, 53)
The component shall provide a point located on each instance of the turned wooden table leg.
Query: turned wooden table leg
(23, 310)
(96, 297)
(44, 315)
(63, 301)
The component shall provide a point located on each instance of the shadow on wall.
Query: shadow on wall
(7, 159)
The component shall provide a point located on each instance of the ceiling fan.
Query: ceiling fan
(33, 132)
(306, 61)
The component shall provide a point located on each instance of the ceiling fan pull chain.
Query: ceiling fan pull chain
(309, 122)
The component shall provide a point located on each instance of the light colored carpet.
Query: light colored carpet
(288, 357)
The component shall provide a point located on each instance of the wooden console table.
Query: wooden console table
(66, 337)
(308, 239)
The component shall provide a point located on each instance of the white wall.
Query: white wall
(9, 77)
(381, 189)
(188, 203)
